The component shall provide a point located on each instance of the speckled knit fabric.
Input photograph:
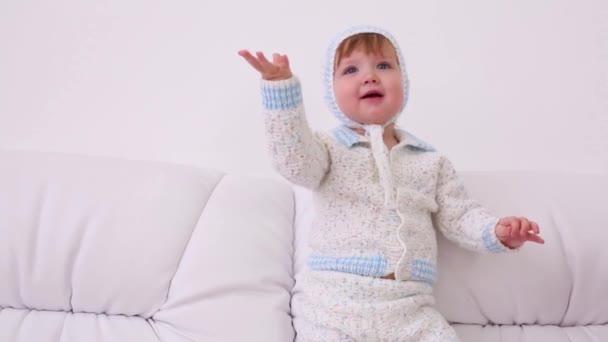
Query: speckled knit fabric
(354, 234)
(375, 213)
(353, 231)
(345, 307)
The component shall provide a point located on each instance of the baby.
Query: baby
(379, 194)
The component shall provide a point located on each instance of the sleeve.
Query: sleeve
(296, 152)
(460, 218)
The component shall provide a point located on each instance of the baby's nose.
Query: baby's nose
(371, 78)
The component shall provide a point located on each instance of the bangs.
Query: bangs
(370, 43)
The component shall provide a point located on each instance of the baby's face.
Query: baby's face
(369, 87)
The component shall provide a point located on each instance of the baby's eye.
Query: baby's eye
(350, 70)
(384, 65)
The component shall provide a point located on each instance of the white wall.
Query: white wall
(495, 84)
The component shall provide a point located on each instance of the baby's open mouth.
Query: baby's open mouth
(372, 94)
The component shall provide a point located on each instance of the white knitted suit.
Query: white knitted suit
(354, 233)
(356, 238)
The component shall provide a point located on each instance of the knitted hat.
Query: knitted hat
(373, 131)
(330, 61)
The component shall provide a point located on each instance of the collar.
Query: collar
(347, 137)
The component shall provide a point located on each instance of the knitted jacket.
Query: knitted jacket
(352, 230)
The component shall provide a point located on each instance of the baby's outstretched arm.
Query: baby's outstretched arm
(297, 153)
(464, 221)
(513, 232)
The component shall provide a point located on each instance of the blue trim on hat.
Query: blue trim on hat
(328, 70)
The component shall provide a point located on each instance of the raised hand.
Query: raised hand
(513, 232)
(276, 70)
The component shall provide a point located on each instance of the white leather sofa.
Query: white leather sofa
(101, 249)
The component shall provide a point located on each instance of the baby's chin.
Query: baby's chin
(371, 119)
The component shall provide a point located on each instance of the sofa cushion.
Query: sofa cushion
(115, 250)
(558, 284)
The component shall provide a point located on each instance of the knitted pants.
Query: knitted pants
(345, 307)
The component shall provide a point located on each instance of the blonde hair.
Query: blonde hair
(368, 41)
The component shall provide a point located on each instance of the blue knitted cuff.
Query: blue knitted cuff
(281, 95)
(490, 240)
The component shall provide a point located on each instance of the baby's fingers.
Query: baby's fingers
(515, 228)
(265, 63)
(524, 227)
(251, 60)
(535, 238)
(282, 61)
(535, 228)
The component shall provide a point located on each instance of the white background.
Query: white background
(496, 85)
